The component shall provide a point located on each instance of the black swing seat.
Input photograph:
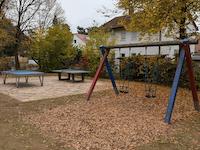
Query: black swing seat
(150, 93)
(123, 89)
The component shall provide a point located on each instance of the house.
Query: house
(196, 55)
(197, 49)
(79, 40)
(121, 36)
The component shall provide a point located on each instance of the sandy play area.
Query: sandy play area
(53, 88)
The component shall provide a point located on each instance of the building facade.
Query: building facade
(121, 36)
(79, 40)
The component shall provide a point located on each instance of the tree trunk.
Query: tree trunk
(17, 45)
(17, 64)
(182, 26)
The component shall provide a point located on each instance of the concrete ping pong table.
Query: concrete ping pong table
(22, 73)
(71, 73)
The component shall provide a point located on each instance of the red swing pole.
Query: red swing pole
(191, 76)
(97, 74)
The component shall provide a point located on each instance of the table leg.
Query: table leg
(4, 78)
(73, 79)
(59, 76)
(82, 75)
(17, 81)
(26, 78)
(69, 76)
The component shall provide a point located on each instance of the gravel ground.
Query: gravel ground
(110, 122)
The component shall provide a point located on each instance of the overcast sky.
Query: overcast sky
(83, 12)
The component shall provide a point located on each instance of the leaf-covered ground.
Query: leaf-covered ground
(128, 121)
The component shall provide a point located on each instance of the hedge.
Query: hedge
(138, 68)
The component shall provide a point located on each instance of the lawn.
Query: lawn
(106, 122)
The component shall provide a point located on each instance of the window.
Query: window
(123, 36)
(113, 33)
(133, 36)
(122, 55)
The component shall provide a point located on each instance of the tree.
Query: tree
(23, 13)
(97, 37)
(7, 31)
(86, 31)
(47, 13)
(2, 7)
(152, 16)
(82, 30)
(54, 49)
(6, 28)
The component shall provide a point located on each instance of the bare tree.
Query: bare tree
(109, 13)
(3, 7)
(49, 10)
(22, 13)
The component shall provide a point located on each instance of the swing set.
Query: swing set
(184, 56)
(126, 70)
(125, 73)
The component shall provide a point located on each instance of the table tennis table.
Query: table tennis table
(71, 73)
(22, 73)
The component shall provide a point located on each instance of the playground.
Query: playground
(99, 75)
(104, 118)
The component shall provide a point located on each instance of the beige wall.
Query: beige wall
(197, 49)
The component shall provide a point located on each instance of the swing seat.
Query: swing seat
(150, 93)
(123, 89)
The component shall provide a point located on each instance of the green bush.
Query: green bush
(5, 63)
(162, 69)
(91, 52)
(53, 49)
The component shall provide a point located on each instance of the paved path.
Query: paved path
(52, 88)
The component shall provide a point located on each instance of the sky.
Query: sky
(84, 12)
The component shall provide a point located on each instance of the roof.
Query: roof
(116, 22)
(82, 37)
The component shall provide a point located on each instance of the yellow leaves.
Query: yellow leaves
(151, 16)
(5, 39)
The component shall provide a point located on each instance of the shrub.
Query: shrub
(134, 67)
(53, 49)
(6, 63)
(91, 53)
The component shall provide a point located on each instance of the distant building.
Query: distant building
(197, 49)
(121, 36)
(80, 40)
(196, 55)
